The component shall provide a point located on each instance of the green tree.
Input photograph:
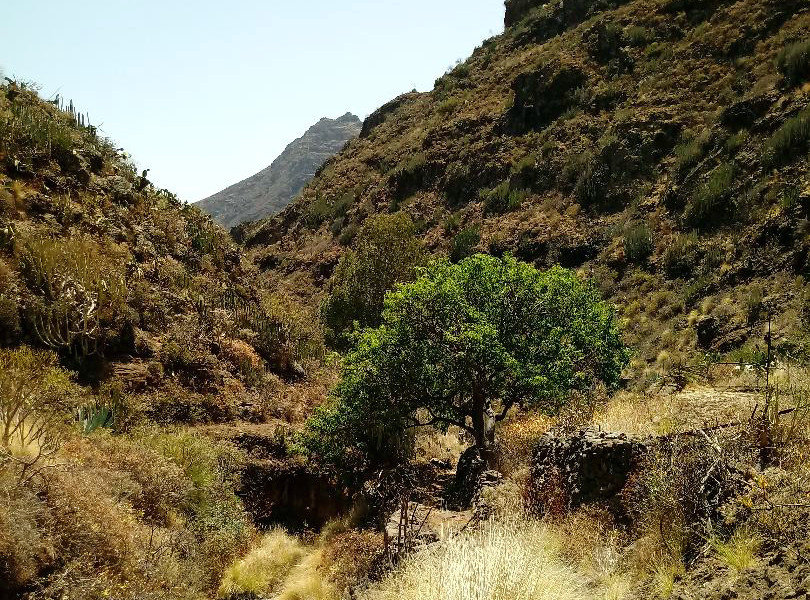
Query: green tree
(386, 252)
(463, 345)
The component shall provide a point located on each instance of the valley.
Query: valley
(540, 332)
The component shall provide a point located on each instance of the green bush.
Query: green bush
(639, 36)
(789, 141)
(638, 244)
(449, 106)
(464, 243)
(324, 208)
(503, 198)
(711, 204)
(794, 62)
(348, 234)
(386, 252)
(690, 152)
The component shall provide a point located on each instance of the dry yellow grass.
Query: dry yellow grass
(504, 560)
(639, 415)
(739, 552)
(265, 568)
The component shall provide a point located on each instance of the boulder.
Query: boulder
(472, 475)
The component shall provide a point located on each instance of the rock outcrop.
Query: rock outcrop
(270, 190)
(590, 466)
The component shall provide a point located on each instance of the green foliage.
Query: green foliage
(465, 341)
(94, 416)
(789, 141)
(711, 204)
(387, 251)
(736, 141)
(324, 208)
(636, 35)
(690, 152)
(794, 62)
(464, 243)
(638, 243)
(348, 234)
(217, 517)
(503, 198)
(449, 106)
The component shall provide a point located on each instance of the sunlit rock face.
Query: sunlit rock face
(270, 190)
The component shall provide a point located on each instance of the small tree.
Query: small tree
(35, 394)
(386, 252)
(462, 346)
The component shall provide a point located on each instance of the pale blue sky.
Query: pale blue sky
(207, 93)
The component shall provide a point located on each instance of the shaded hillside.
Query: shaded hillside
(130, 326)
(659, 146)
(270, 190)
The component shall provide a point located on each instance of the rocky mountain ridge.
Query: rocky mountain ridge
(271, 189)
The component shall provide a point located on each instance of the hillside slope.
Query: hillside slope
(658, 146)
(271, 189)
(136, 342)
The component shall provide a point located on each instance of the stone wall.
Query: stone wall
(589, 466)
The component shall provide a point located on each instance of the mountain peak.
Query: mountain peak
(270, 190)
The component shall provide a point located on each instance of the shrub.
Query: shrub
(9, 319)
(29, 128)
(328, 208)
(386, 252)
(516, 560)
(243, 358)
(690, 152)
(636, 35)
(216, 516)
(794, 62)
(638, 243)
(298, 337)
(35, 394)
(80, 290)
(739, 551)
(711, 204)
(789, 141)
(464, 243)
(503, 198)
(592, 183)
(449, 106)
(681, 256)
(21, 539)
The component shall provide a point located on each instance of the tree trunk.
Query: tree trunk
(483, 420)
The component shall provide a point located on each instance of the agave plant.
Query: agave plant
(94, 416)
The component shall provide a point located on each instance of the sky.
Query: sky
(206, 93)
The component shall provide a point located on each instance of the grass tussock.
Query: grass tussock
(516, 560)
(739, 552)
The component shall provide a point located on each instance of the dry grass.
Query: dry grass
(265, 568)
(638, 415)
(739, 552)
(516, 440)
(430, 444)
(504, 560)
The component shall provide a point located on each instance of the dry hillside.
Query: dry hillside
(657, 146)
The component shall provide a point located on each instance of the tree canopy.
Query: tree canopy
(387, 251)
(464, 344)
